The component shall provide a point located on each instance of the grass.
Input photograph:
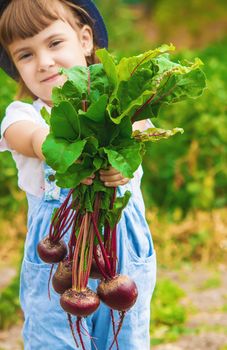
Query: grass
(224, 308)
(9, 304)
(168, 314)
(199, 237)
(212, 282)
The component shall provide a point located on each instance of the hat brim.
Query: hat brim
(100, 31)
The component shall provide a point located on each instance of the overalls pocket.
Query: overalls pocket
(46, 325)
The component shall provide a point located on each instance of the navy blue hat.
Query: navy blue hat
(99, 27)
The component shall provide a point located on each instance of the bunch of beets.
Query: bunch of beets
(91, 129)
(89, 255)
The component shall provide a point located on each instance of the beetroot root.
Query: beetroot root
(119, 293)
(62, 279)
(51, 252)
(80, 304)
(95, 271)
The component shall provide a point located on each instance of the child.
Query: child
(38, 37)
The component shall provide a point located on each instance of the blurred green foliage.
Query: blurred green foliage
(189, 171)
(124, 37)
(8, 173)
(9, 304)
(168, 314)
(193, 17)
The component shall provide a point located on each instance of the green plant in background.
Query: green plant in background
(192, 173)
(124, 36)
(177, 18)
(8, 178)
(9, 304)
(168, 314)
(149, 5)
(212, 282)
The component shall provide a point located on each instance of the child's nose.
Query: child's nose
(44, 61)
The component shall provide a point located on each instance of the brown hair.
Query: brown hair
(25, 18)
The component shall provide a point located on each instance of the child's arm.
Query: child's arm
(26, 137)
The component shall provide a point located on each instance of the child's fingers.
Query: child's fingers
(88, 180)
(117, 183)
(109, 172)
(111, 177)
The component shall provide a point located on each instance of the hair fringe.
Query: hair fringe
(26, 18)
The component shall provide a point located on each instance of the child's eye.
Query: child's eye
(55, 43)
(24, 56)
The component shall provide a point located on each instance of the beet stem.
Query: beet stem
(122, 316)
(72, 240)
(82, 252)
(72, 330)
(139, 64)
(78, 322)
(106, 259)
(58, 217)
(90, 252)
(114, 328)
(50, 275)
(71, 220)
(75, 257)
(98, 263)
(114, 250)
(142, 107)
(87, 334)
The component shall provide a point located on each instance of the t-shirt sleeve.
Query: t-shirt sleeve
(146, 125)
(15, 112)
(149, 124)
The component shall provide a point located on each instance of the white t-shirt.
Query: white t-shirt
(31, 170)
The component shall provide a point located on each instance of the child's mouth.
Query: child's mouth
(51, 78)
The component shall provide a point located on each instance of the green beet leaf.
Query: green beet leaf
(97, 110)
(46, 115)
(155, 134)
(109, 66)
(126, 158)
(61, 154)
(99, 133)
(65, 122)
(78, 77)
(99, 83)
(128, 65)
(113, 215)
(91, 146)
(73, 176)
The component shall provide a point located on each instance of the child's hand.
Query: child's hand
(88, 181)
(112, 178)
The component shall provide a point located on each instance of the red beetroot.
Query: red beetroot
(79, 300)
(62, 279)
(95, 269)
(119, 293)
(80, 304)
(51, 252)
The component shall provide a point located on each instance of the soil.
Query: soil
(207, 321)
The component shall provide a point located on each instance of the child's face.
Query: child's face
(39, 58)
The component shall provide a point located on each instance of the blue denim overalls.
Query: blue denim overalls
(46, 325)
